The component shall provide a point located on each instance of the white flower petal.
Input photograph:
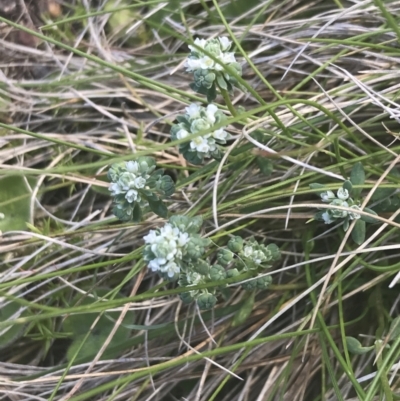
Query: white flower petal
(220, 134)
(199, 42)
(139, 182)
(210, 113)
(182, 133)
(225, 43)
(151, 237)
(115, 189)
(132, 167)
(132, 196)
(206, 63)
(342, 193)
(192, 64)
(193, 110)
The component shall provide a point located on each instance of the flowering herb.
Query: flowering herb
(171, 249)
(343, 198)
(207, 73)
(178, 252)
(135, 184)
(196, 119)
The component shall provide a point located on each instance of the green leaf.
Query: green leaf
(357, 177)
(158, 207)
(11, 333)
(144, 327)
(369, 219)
(221, 82)
(315, 185)
(245, 311)
(211, 94)
(382, 193)
(77, 325)
(15, 200)
(358, 233)
(265, 165)
(193, 157)
(354, 346)
(394, 331)
(137, 213)
(348, 185)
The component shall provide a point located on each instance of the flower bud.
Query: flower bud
(199, 125)
(260, 283)
(166, 185)
(224, 257)
(327, 196)
(342, 193)
(264, 282)
(206, 301)
(201, 267)
(232, 273)
(204, 78)
(217, 273)
(194, 248)
(235, 244)
(336, 213)
(274, 251)
(213, 46)
(186, 298)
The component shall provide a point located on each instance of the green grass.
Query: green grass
(109, 95)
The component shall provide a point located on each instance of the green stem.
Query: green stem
(384, 380)
(338, 157)
(228, 102)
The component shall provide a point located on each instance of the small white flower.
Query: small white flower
(327, 196)
(206, 63)
(248, 251)
(193, 110)
(168, 231)
(327, 218)
(182, 133)
(132, 196)
(200, 43)
(227, 58)
(171, 269)
(2, 216)
(200, 144)
(211, 144)
(225, 43)
(132, 167)
(210, 113)
(192, 64)
(342, 193)
(193, 278)
(151, 237)
(115, 189)
(220, 134)
(139, 182)
(353, 215)
(153, 265)
(183, 239)
(258, 257)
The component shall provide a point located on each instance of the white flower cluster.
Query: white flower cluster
(256, 255)
(166, 245)
(129, 181)
(217, 47)
(205, 143)
(341, 199)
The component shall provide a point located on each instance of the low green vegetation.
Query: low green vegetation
(199, 201)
